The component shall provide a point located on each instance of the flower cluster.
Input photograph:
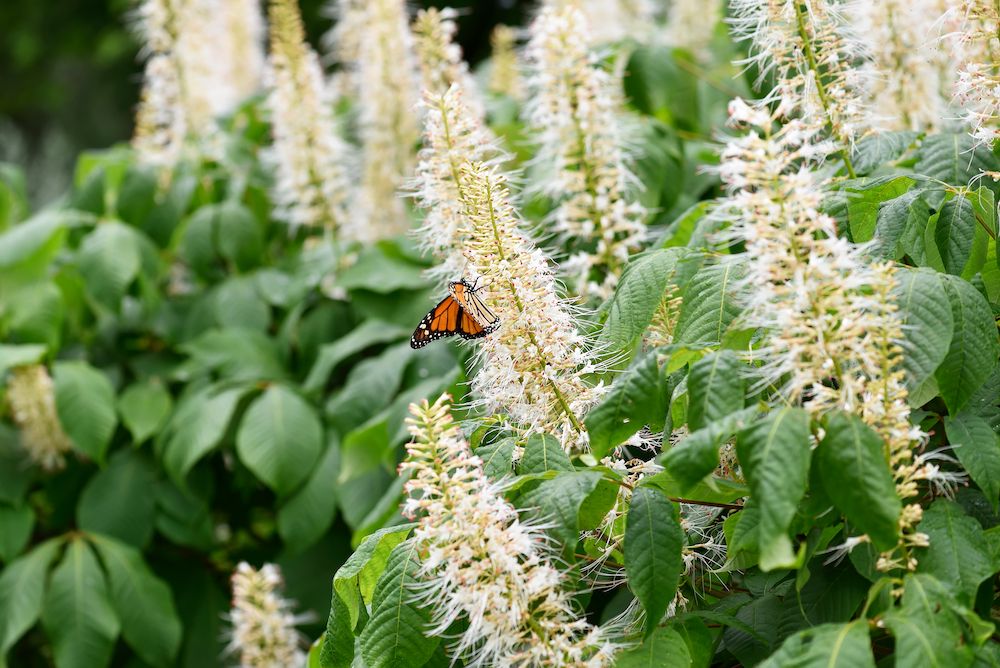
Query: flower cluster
(534, 367)
(441, 63)
(453, 135)
(263, 626)
(805, 44)
(312, 187)
(611, 20)
(32, 402)
(505, 72)
(977, 88)
(691, 24)
(910, 82)
(574, 108)
(482, 564)
(376, 45)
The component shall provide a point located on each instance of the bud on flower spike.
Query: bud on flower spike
(263, 626)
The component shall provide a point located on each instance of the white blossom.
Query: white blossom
(31, 396)
(263, 631)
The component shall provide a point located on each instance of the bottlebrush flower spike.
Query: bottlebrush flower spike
(384, 80)
(243, 33)
(263, 625)
(31, 396)
(691, 24)
(977, 86)
(574, 108)
(310, 159)
(807, 46)
(611, 20)
(441, 63)
(533, 367)
(482, 564)
(505, 71)
(454, 134)
(910, 78)
(161, 124)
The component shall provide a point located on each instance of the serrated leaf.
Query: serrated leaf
(954, 232)
(664, 648)
(78, 615)
(22, 592)
(143, 602)
(715, 388)
(927, 324)
(897, 217)
(710, 304)
(308, 514)
(117, 501)
(652, 548)
(978, 449)
(880, 148)
(280, 438)
(145, 407)
(959, 555)
(85, 402)
(856, 477)
(697, 455)
(559, 501)
(394, 635)
(639, 292)
(830, 645)
(864, 202)
(338, 639)
(498, 458)
(636, 399)
(974, 347)
(953, 158)
(543, 453)
(927, 630)
(355, 581)
(774, 453)
(200, 422)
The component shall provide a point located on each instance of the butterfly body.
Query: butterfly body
(462, 312)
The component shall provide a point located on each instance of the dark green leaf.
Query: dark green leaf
(543, 453)
(856, 477)
(354, 583)
(715, 388)
(974, 347)
(953, 158)
(85, 402)
(927, 630)
(863, 203)
(653, 542)
(109, 261)
(636, 399)
(697, 455)
(372, 332)
(306, 516)
(559, 501)
(117, 501)
(907, 213)
(978, 449)
(22, 591)
(959, 555)
(710, 304)
(196, 428)
(238, 354)
(145, 406)
(498, 458)
(665, 648)
(879, 148)
(953, 234)
(927, 323)
(830, 645)
(16, 525)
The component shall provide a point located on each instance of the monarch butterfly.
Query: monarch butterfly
(461, 312)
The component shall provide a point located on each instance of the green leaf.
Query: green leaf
(14, 355)
(863, 203)
(85, 402)
(658, 85)
(559, 502)
(237, 236)
(775, 454)
(338, 640)
(109, 261)
(16, 525)
(857, 479)
(35, 241)
(371, 333)
(959, 555)
(382, 273)
(238, 305)
(897, 217)
(498, 458)
(653, 542)
(145, 407)
(394, 635)
(543, 453)
(974, 347)
(354, 583)
(693, 458)
(927, 630)
(370, 387)
(830, 645)
(22, 591)
(709, 304)
(183, 517)
(880, 148)
(144, 604)
(78, 615)
(197, 426)
(238, 354)
(117, 501)
(715, 388)
(637, 398)
(926, 315)
(640, 291)
(953, 233)
(280, 439)
(308, 514)
(953, 158)
(664, 648)
(978, 449)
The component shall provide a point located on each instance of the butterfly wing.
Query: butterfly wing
(443, 320)
(479, 320)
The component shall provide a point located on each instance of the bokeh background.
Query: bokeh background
(70, 75)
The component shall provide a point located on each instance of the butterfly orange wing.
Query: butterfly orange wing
(442, 320)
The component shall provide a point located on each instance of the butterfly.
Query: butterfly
(461, 312)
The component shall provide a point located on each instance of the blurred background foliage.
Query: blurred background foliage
(70, 75)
